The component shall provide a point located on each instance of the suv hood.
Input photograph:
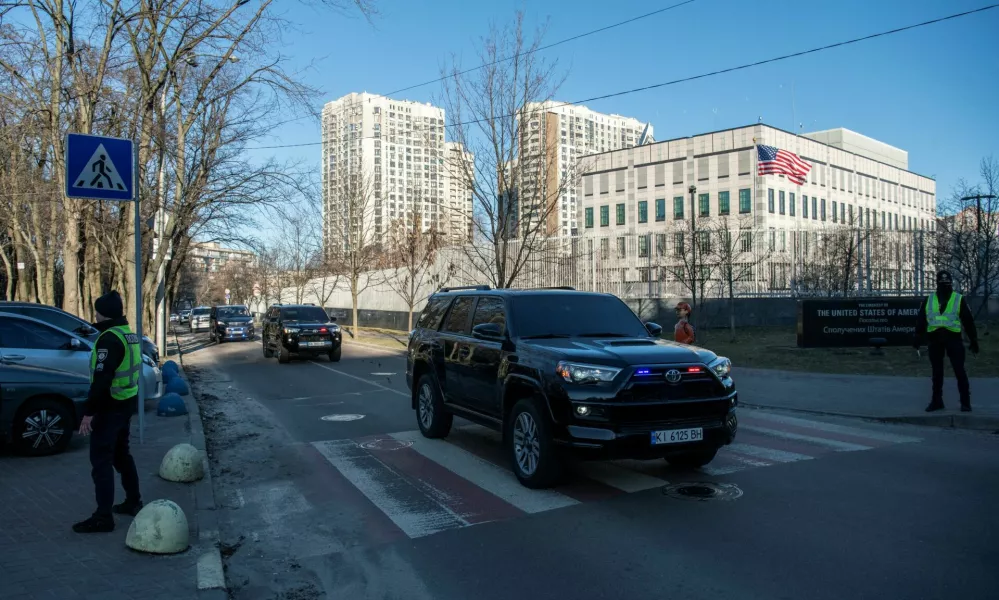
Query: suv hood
(625, 351)
(235, 319)
(309, 324)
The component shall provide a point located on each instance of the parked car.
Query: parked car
(185, 316)
(31, 342)
(40, 408)
(230, 322)
(300, 330)
(200, 319)
(69, 322)
(174, 317)
(561, 372)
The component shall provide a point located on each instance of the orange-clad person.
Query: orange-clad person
(684, 331)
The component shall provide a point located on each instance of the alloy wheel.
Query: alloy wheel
(426, 406)
(526, 446)
(43, 429)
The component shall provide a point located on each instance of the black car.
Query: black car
(230, 322)
(40, 408)
(300, 330)
(564, 373)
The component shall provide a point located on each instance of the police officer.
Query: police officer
(115, 368)
(941, 320)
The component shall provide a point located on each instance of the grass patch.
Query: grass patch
(387, 338)
(776, 348)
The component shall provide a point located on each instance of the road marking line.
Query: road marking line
(830, 427)
(495, 480)
(384, 374)
(619, 476)
(211, 575)
(818, 441)
(361, 379)
(388, 491)
(782, 456)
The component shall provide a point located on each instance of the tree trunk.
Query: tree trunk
(410, 314)
(9, 273)
(353, 299)
(71, 260)
(731, 307)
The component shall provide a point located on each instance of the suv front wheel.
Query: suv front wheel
(432, 417)
(535, 461)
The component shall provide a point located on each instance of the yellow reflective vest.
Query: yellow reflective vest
(125, 384)
(949, 319)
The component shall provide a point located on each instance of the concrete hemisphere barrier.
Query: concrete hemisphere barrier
(183, 463)
(177, 385)
(159, 528)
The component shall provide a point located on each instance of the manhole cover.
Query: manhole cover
(702, 491)
(386, 444)
(342, 417)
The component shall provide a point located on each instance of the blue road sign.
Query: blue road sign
(99, 167)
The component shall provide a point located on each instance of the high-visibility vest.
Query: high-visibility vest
(949, 319)
(125, 384)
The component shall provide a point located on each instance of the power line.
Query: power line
(693, 77)
(546, 47)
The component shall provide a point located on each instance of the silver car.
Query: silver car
(34, 343)
(201, 319)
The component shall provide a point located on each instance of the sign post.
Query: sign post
(106, 168)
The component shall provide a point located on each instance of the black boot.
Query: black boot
(934, 406)
(128, 507)
(95, 524)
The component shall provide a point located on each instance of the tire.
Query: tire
(693, 459)
(526, 424)
(284, 356)
(46, 414)
(268, 353)
(431, 415)
(335, 354)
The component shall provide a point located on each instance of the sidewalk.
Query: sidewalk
(894, 399)
(41, 498)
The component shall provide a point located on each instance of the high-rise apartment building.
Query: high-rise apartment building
(557, 135)
(384, 161)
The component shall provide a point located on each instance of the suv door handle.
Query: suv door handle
(13, 357)
(464, 351)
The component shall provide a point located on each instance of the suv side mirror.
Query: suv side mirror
(332, 319)
(74, 344)
(654, 329)
(487, 331)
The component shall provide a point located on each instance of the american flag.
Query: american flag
(774, 160)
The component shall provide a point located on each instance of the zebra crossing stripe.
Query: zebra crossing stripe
(798, 437)
(497, 481)
(892, 438)
(621, 477)
(769, 454)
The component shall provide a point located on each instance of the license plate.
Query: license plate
(310, 344)
(677, 436)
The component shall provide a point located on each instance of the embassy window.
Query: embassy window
(660, 209)
(815, 209)
(804, 207)
(745, 201)
(643, 246)
(643, 212)
(790, 203)
(678, 207)
(589, 218)
(782, 202)
(834, 211)
(770, 200)
(620, 214)
(604, 216)
(723, 204)
(704, 204)
(823, 209)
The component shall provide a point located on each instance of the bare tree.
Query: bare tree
(501, 114)
(412, 253)
(690, 263)
(736, 254)
(352, 242)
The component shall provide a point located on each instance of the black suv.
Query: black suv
(302, 330)
(561, 372)
(230, 322)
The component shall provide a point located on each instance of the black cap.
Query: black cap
(110, 305)
(944, 278)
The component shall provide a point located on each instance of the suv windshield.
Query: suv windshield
(201, 311)
(304, 313)
(226, 312)
(574, 315)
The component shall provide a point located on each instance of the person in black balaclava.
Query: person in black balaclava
(941, 320)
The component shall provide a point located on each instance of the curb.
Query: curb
(211, 573)
(967, 422)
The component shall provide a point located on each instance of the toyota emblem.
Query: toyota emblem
(673, 376)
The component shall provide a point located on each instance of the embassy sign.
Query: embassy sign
(853, 322)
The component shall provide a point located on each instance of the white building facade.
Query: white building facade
(564, 133)
(636, 204)
(397, 149)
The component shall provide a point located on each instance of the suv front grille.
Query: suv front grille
(652, 386)
(674, 413)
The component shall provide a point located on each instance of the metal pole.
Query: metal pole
(138, 296)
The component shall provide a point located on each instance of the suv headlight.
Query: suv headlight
(291, 329)
(580, 373)
(721, 366)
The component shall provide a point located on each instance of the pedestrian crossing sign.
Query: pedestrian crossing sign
(99, 167)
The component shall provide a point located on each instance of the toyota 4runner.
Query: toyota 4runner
(300, 330)
(564, 374)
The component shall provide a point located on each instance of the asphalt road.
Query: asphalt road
(314, 507)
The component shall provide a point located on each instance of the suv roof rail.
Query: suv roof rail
(557, 287)
(478, 288)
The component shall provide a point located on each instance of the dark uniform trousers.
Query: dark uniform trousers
(954, 349)
(109, 452)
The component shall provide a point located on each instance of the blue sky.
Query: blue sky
(931, 91)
